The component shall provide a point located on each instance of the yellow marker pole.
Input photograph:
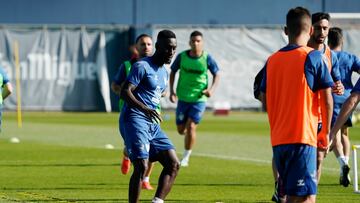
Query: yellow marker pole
(17, 77)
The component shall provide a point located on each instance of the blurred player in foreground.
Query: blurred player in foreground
(293, 77)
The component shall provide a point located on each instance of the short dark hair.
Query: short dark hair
(316, 17)
(335, 37)
(296, 20)
(166, 34)
(196, 33)
(140, 37)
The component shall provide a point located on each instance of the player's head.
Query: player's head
(144, 45)
(335, 37)
(196, 41)
(298, 21)
(165, 46)
(321, 24)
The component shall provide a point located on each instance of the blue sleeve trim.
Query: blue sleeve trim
(137, 73)
(316, 73)
(212, 65)
(176, 64)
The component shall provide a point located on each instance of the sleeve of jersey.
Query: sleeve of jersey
(356, 64)
(137, 73)
(120, 75)
(263, 81)
(335, 69)
(212, 65)
(176, 64)
(5, 76)
(356, 87)
(316, 72)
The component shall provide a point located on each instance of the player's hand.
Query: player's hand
(338, 88)
(207, 93)
(173, 97)
(152, 114)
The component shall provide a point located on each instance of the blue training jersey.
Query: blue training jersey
(348, 63)
(120, 76)
(5, 78)
(150, 81)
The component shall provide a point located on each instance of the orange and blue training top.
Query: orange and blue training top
(292, 77)
(332, 64)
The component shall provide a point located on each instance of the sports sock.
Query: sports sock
(187, 154)
(346, 159)
(157, 200)
(146, 179)
(341, 160)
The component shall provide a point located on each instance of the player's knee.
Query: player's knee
(181, 129)
(140, 167)
(173, 167)
(191, 126)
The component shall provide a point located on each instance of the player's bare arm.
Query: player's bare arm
(327, 110)
(172, 97)
(116, 88)
(209, 92)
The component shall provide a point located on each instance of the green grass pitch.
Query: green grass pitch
(61, 157)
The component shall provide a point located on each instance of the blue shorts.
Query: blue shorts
(185, 110)
(296, 164)
(336, 113)
(339, 100)
(144, 140)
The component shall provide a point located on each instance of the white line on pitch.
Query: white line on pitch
(248, 159)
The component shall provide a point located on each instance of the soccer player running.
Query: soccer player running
(192, 89)
(293, 77)
(320, 22)
(143, 48)
(348, 63)
(140, 118)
